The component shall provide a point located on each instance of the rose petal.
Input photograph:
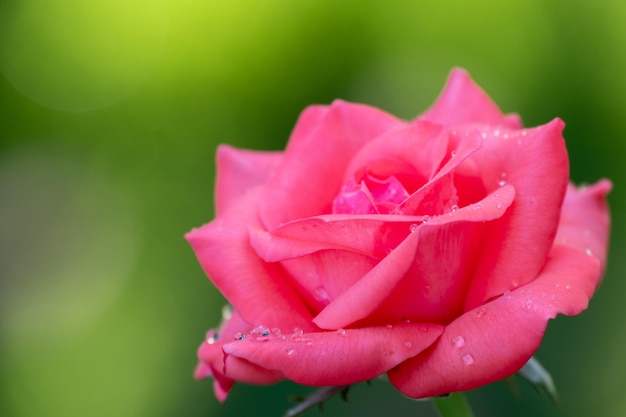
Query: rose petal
(354, 199)
(371, 235)
(585, 220)
(412, 154)
(433, 288)
(386, 193)
(221, 387)
(494, 341)
(513, 121)
(324, 141)
(366, 295)
(239, 170)
(338, 357)
(213, 361)
(224, 251)
(202, 371)
(464, 102)
(326, 274)
(439, 193)
(328, 254)
(516, 244)
(210, 351)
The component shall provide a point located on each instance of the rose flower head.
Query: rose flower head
(434, 250)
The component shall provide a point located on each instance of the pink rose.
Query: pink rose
(434, 250)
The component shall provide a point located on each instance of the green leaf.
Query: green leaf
(537, 375)
(454, 405)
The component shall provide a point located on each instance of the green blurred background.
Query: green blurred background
(110, 113)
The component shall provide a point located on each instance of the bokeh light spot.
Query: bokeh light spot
(67, 246)
(78, 55)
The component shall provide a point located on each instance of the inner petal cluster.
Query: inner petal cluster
(371, 195)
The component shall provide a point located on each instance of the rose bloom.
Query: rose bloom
(434, 250)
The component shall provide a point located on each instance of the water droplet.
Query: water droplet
(498, 205)
(588, 252)
(413, 228)
(478, 206)
(261, 333)
(505, 136)
(558, 285)
(552, 297)
(239, 336)
(260, 330)
(389, 326)
(297, 333)
(454, 207)
(276, 331)
(467, 359)
(321, 294)
(568, 287)
(341, 332)
(483, 135)
(309, 342)
(211, 337)
(507, 294)
(423, 329)
(481, 312)
(227, 312)
(496, 133)
(528, 304)
(408, 344)
(458, 342)
(502, 180)
(524, 132)
(425, 218)
(289, 350)
(452, 154)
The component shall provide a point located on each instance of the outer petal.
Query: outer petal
(328, 254)
(338, 357)
(365, 296)
(494, 341)
(238, 171)
(322, 144)
(224, 251)
(585, 220)
(535, 163)
(327, 273)
(463, 102)
(213, 361)
(370, 235)
(434, 286)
